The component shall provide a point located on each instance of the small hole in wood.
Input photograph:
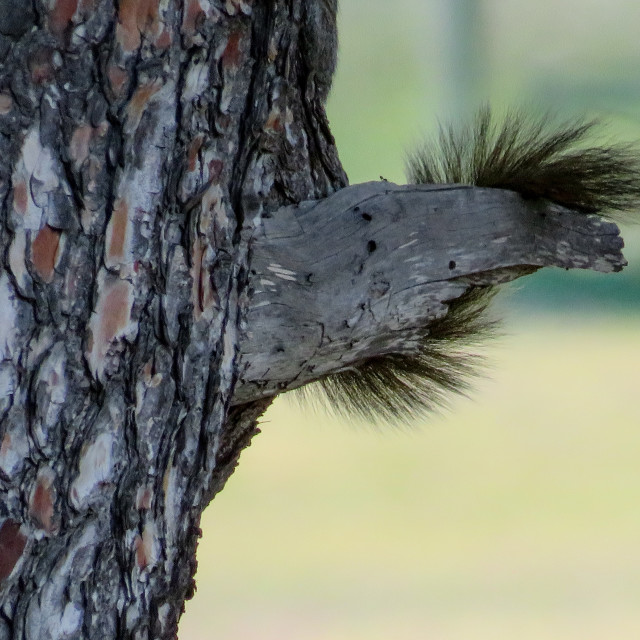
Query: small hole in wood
(452, 264)
(367, 216)
(371, 246)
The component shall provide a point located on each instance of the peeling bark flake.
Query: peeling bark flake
(110, 322)
(20, 197)
(144, 498)
(8, 382)
(194, 149)
(236, 6)
(164, 40)
(61, 15)
(7, 460)
(79, 146)
(41, 503)
(95, 468)
(274, 121)
(42, 65)
(135, 19)
(203, 295)
(139, 103)
(71, 620)
(231, 55)
(118, 80)
(44, 251)
(12, 544)
(116, 235)
(193, 15)
(146, 547)
(6, 103)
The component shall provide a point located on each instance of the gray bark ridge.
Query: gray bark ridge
(361, 273)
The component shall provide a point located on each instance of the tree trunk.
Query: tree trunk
(170, 261)
(141, 142)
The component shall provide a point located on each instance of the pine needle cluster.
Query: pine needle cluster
(526, 154)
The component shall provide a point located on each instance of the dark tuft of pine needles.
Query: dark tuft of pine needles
(404, 387)
(526, 154)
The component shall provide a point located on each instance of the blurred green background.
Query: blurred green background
(516, 513)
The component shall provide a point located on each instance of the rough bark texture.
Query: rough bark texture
(140, 143)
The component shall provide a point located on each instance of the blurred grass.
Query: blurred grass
(393, 81)
(513, 516)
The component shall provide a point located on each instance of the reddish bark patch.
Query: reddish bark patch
(215, 170)
(6, 444)
(79, 145)
(223, 122)
(144, 547)
(237, 4)
(274, 123)
(193, 17)
(144, 498)
(109, 322)
(232, 54)
(163, 41)
(117, 231)
(44, 251)
(20, 197)
(196, 275)
(192, 154)
(118, 79)
(115, 308)
(136, 17)
(60, 16)
(139, 102)
(41, 504)
(202, 292)
(6, 103)
(41, 65)
(147, 371)
(141, 556)
(12, 544)
(7, 457)
(127, 32)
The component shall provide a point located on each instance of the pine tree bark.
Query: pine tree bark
(140, 144)
(177, 247)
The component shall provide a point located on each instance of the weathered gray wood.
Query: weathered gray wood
(360, 273)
